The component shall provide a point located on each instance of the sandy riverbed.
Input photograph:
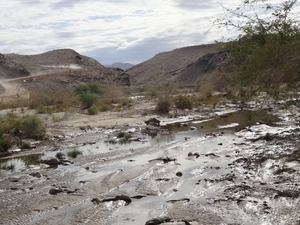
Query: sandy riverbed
(235, 177)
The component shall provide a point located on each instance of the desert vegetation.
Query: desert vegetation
(74, 153)
(14, 128)
(265, 56)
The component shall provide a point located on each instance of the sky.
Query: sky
(110, 30)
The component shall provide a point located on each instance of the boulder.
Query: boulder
(36, 174)
(159, 220)
(54, 191)
(153, 122)
(50, 161)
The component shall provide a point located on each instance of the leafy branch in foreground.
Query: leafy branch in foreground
(267, 52)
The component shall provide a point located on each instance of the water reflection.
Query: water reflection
(177, 131)
(17, 164)
(240, 119)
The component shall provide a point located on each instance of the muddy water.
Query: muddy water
(17, 164)
(194, 170)
(213, 140)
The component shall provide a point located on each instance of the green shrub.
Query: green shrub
(163, 106)
(88, 99)
(32, 126)
(183, 102)
(81, 89)
(96, 88)
(105, 107)
(5, 144)
(25, 145)
(90, 87)
(74, 153)
(92, 110)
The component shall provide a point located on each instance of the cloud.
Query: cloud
(196, 5)
(65, 35)
(66, 3)
(108, 30)
(30, 2)
(142, 50)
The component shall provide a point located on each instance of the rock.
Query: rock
(54, 191)
(176, 223)
(179, 200)
(153, 122)
(124, 198)
(193, 128)
(36, 174)
(165, 160)
(193, 154)
(69, 191)
(95, 200)
(134, 139)
(179, 174)
(138, 196)
(50, 161)
(84, 128)
(158, 220)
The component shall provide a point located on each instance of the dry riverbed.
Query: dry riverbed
(207, 167)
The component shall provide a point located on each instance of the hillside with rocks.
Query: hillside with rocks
(11, 69)
(61, 68)
(176, 66)
(67, 68)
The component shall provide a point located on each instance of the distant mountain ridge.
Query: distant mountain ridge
(123, 66)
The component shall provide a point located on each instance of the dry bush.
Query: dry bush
(163, 105)
(54, 101)
(114, 94)
(216, 81)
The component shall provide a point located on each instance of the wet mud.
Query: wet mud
(236, 168)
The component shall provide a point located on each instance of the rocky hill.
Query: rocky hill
(206, 64)
(11, 69)
(67, 68)
(183, 65)
(61, 68)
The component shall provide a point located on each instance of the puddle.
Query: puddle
(67, 211)
(193, 170)
(11, 165)
(234, 121)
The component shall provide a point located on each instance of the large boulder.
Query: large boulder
(50, 161)
(153, 122)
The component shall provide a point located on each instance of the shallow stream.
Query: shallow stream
(213, 140)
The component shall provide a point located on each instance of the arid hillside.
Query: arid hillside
(11, 69)
(59, 68)
(183, 65)
(67, 68)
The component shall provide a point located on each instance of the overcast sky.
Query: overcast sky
(109, 30)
